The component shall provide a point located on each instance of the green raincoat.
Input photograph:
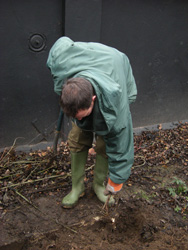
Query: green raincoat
(110, 73)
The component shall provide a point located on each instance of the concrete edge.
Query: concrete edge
(136, 131)
(155, 127)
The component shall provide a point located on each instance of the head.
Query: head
(77, 98)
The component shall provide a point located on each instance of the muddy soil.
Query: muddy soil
(151, 212)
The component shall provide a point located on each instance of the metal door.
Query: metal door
(29, 108)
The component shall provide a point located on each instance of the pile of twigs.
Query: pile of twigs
(41, 171)
(17, 170)
(162, 147)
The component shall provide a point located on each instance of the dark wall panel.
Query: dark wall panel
(83, 20)
(152, 33)
(28, 29)
(154, 36)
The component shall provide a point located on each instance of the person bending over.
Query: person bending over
(97, 86)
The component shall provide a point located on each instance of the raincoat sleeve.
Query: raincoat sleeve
(131, 86)
(120, 152)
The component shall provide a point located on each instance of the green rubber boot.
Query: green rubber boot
(78, 162)
(100, 174)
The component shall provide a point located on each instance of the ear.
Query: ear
(93, 98)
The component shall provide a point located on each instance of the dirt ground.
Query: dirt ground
(151, 212)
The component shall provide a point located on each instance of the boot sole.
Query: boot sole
(72, 205)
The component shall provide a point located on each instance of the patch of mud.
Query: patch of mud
(131, 222)
(151, 211)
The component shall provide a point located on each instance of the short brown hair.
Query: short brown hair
(76, 95)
